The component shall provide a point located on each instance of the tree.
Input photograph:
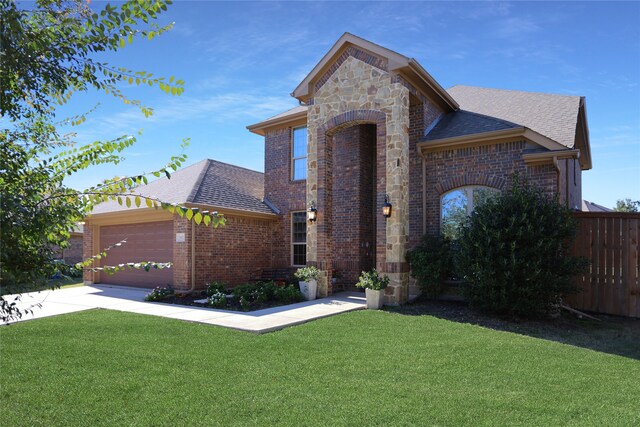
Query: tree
(627, 205)
(514, 252)
(46, 55)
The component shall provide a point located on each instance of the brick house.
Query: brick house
(373, 127)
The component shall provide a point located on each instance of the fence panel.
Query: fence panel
(610, 241)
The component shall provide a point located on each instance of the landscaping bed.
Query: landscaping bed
(248, 297)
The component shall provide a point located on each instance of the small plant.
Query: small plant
(306, 274)
(244, 303)
(159, 293)
(214, 288)
(288, 294)
(372, 280)
(431, 263)
(218, 300)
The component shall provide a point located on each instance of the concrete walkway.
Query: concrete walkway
(70, 300)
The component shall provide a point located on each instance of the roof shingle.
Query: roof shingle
(554, 116)
(208, 182)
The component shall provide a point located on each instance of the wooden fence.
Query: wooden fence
(611, 284)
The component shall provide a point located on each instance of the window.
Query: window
(299, 154)
(457, 205)
(299, 238)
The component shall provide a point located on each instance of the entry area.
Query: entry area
(148, 241)
(354, 204)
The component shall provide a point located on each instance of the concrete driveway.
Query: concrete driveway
(70, 300)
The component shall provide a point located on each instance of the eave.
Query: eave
(296, 119)
(494, 137)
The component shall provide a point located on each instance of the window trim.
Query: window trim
(293, 159)
(292, 243)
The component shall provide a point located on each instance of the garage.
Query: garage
(148, 241)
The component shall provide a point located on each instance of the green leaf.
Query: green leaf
(197, 218)
(137, 200)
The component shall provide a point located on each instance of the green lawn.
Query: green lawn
(363, 368)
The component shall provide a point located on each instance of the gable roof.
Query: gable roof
(553, 116)
(407, 67)
(208, 182)
(588, 206)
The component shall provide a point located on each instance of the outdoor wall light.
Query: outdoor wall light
(386, 208)
(312, 213)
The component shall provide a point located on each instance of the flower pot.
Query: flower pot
(309, 289)
(375, 299)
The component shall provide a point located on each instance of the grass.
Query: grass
(363, 368)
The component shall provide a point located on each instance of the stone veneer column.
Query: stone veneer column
(357, 93)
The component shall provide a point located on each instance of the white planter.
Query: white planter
(375, 299)
(309, 289)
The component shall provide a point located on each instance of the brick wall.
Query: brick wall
(422, 115)
(285, 194)
(234, 254)
(354, 203)
(490, 165)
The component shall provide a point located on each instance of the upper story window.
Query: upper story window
(456, 205)
(299, 153)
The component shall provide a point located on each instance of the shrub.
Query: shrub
(288, 294)
(514, 253)
(307, 274)
(431, 263)
(372, 280)
(215, 288)
(218, 300)
(159, 293)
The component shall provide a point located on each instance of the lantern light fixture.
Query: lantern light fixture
(312, 213)
(386, 208)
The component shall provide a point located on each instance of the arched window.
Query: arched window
(456, 205)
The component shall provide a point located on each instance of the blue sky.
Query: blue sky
(241, 60)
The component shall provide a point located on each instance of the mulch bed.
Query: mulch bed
(232, 305)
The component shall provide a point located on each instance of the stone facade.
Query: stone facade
(358, 93)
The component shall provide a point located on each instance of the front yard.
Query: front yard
(363, 368)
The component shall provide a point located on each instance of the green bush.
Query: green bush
(215, 288)
(372, 280)
(514, 253)
(159, 293)
(431, 263)
(217, 299)
(288, 294)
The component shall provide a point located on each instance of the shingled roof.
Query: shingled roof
(554, 116)
(208, 182)
(462, 122)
